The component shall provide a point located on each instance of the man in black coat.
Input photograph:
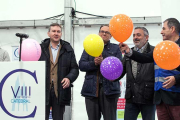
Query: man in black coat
(61, 71)
(139, 80)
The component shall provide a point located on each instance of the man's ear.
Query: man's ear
(172, 29)
(110, 36)
(147, 37)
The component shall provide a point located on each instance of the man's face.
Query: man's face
(166, 32)
(55, 33)
(139, 38)
(105, 34)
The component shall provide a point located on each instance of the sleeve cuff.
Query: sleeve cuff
(129, 54)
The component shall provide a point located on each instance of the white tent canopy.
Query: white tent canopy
(153, 12)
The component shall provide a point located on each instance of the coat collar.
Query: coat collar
(107, 45)
(148, 49)
(178, 41)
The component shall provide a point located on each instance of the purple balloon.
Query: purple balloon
(111, 68)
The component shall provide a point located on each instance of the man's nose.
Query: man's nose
(161, 32)
(135, 37)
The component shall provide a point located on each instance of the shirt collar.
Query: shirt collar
(137, 49)
(56, 46)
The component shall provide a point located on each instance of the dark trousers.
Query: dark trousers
(133, 109)
(101, 105)
(57, 110)
(168, 112)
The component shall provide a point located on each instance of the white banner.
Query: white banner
(22, 90)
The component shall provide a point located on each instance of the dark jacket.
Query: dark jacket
(170, 98)
(93, 76)
(67, 68)
(140, 89)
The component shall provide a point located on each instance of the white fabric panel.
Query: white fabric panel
(132, 8)
(170, 8)
(30, 9)
(41, 9)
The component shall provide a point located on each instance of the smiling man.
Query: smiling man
(139, 80)
(61, 71)
(140, 37)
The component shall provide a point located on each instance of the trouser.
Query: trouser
(133, 109)
(168, 112)
(57, 110)
(101, 105)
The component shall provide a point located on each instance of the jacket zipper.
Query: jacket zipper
(97, 85)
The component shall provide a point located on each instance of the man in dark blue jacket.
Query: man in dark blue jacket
(101, 95)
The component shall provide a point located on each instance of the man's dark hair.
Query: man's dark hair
(173, 22)
(54, 24)
(144, 29)
(103, 26)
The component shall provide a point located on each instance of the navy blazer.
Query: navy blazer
(93, 76)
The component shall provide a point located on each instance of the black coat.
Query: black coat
(67, 68)
(139, 89)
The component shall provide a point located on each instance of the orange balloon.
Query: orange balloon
(166, 54)
(121, 27)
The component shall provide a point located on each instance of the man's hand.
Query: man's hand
(124, 47)
(170, 82)
(66, 83)
(98, 60)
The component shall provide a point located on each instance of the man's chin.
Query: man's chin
(164, 39)
(136, 44)
(55, 40)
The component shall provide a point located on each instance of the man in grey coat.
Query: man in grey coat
(4, 56)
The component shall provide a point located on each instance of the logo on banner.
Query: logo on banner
(16, 53)
(21, 94)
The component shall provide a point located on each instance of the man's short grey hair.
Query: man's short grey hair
(146, 33)
(173, 22)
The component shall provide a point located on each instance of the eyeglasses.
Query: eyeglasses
(106, 32)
